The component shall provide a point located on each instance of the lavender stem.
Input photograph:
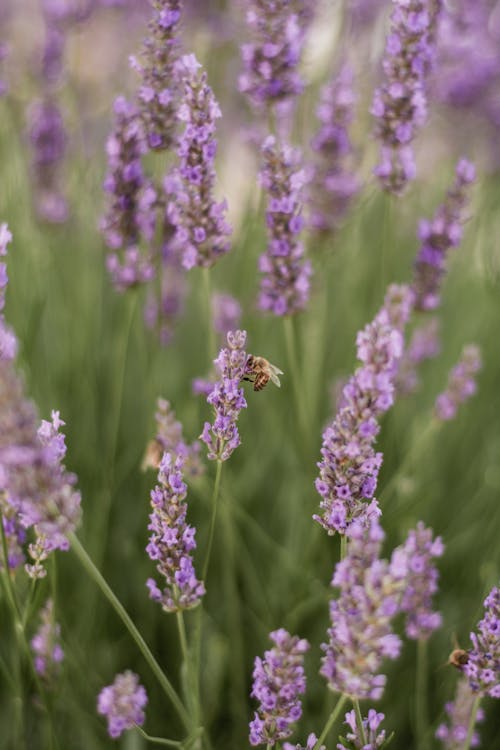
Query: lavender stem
(359, 721)
(192, 692)
(422, 719)
(296, 378)
(97, 577)
(331, 720)
(215, 497)
(157, 740)
(472, 722)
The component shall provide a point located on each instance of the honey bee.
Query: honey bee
(259, 372)
(458, 658)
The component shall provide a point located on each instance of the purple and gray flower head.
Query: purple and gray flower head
(48, 137)
(424, 344)
(123, 703)
(278, 681)
(46, 645)
(130, 214)
(454, 734)
(169, 439)
(201, 227)
(227, 398)
(226, 312)
(284, 287)
(172, 541)
(349, 466)
(310, 744)
(400, 104)
(333, 185)
(159, 93)
(483, 665)
(271, 60)
(415, 561)
(439, 236)
(371, 724)
(461, 384)
(361, 635)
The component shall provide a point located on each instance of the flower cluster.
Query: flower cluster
(439, 236)
(333, 184)
(459, 712)
(284, 287)
(400, 104)
(361, 634)
(424, 344)
(201, 227)
(172, 540)
(461, 383)
(371, 724)
(271, 60)
(483, 665)
(169, 439)
(130, 213)
(349, 466)
(414, 560)
(310, 744)
(227, 398)
(278, 681)
(123, 703)
(226, 311)
(45, 644)
(159, 93)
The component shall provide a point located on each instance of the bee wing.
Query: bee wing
(273, 373)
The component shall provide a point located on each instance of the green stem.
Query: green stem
(191, 695)
(421, 718)
(343, 546)
(11, 594)
(157, 740)
(29, 602)
(331, 721)
(214, 503)
(359, 721)
(212, 346)
(296, 379)
(96, 576)
(472, 722)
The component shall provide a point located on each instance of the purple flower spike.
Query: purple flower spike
(400, 104)
(439, 236)
(361, 635)
(123, 703)
(416, 556)
(284, 287)
(226, 311)
(483, 665)
(201, 227)
(132, 200)
(374, 738)
(172, 540)
(45, 644)
(270, 61)
(424, 344)
(278, 681)
(333, 185)
(349, 466)
(48, 138)
(459, 712)
(461, 384)
(169, 439)
(227, 399)
(159, 93)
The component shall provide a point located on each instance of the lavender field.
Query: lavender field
(250, 374)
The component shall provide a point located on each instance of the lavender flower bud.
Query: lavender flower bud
(169, 439)
(226, 311)
(361, 634)
(278, 681)
(400, 104)
(159, 92)
(421, 578)
(201, 227)
(270, 61)
(284, 287)
(227, 399)
(483, 665)
(45, 644)
(310, 744)
(349, 466)
(130, 214)
(459, 712)
(424, 344)
(461, 384)
(333, 186)
(374, 738)
(123, 703)
(439, 236)
(172, 540)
